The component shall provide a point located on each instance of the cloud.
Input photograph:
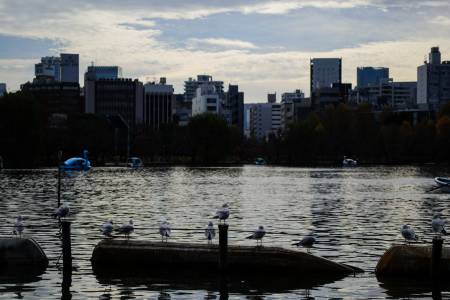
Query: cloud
(441, 20)
(221, 43)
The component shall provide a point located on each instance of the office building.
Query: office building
(433, 82)
(265, 119)
(294, 107)
(183, 110)
(324, 72)
(398, 95)
(70, 68)
(334, 95)
(64, 68)
(159, 104)
(367, 76)
(109, 97)
(105, 72)
(272, 98)
(207, 99)
(191, 85)
(234, 105)
(2, 89)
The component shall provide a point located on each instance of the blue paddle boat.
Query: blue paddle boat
(77, 163)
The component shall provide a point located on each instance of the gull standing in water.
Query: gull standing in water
(438, 225)
(62, 211)
(258, 235)
(164, 230)
(107, 228)
(223, 213)
(408, 234)
(210, 232)
(18, 226)
(306, 242)
(126, 229)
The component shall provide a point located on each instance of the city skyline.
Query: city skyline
(264, 46)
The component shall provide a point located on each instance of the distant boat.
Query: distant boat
(260, 161)
(443, 183)
(77, 163)
(348, 162)
(135, 163)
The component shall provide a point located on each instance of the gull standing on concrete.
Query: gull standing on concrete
(223, 213)
(408, 234)
(18, 226)
(438, 225)
(306, 242)
(126, 229)
(62, 211)
(210, 232)
(164, 230)
(107, 228)
(258, 235)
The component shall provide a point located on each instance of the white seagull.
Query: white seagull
(306, 242)
(126, 229)
(62, 211)
(18, 226)
(210, 232)
(164, 230)
(223, 213)
(408, 234)
(107, 228)
(258, 235)
(438, 225)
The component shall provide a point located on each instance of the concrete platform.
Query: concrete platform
(410, 261)
(122, 255)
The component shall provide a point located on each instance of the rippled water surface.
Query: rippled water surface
(355, 214)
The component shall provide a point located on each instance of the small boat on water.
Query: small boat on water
(443, 183)
(77, 163)
(259, 161)
(134, 163)
(348, 162)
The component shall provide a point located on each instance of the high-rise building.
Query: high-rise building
(325, 72)
(207, 99)
(105, 72)
(2, 89)
(191, 85)
(398, 95)
(70, 67)
(366, 76)
(265, 119)
(234, 104)
(64, 68)
(294, 106)
(109, 97)
(159, 104)
(433, 82)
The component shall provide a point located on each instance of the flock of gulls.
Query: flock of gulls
(107, 229)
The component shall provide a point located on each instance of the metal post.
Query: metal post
(436, 253)
(66, 248)
(59, 177)
(223, 247)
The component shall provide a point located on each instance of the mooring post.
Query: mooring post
(59, 177)
(223, 247)
(66, 251)
(436, 253)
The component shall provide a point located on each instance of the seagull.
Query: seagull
(164, 230)
(62, 211)
(223, 213)
(438, 225)
(258, 235)
(210, 232)
(107, 228)
(408, 234)
(126, 229)
(18, 226)
(306, 242)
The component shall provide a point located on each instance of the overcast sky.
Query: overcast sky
(264, 46)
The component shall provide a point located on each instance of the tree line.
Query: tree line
(27, 138)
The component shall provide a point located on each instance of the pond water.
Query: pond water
(355, 214)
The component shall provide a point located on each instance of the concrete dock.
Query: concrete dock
(134, 255)
(21, 252)
(411, 261)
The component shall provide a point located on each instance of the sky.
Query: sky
(261, 45)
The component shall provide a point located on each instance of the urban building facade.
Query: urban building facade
(183, 110)
(367, 76)
(265, 119)
(398, 95)
(104, 72)
(64, 68)
(334, 95)
(294, 107)
(234, 105)
(207, 100)
(191, 85)
(433, 82)
(324, 72)
(159, 104)
(70, 68)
